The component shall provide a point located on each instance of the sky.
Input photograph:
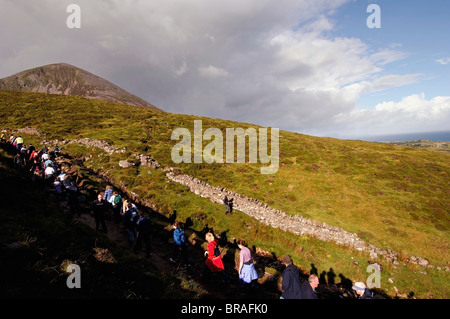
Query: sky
(307, 66)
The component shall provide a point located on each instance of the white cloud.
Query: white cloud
(354, 91)
(414, 113)
(443, 61)
(211, 72)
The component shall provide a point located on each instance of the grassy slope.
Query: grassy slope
(393, 197)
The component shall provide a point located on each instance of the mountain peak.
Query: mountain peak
(66, 79)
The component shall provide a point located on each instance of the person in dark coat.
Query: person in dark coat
(143, 234)
(227, 207)
(130, 217)
(290, 285)
(99, 207)
(230, 205)
(309, 287)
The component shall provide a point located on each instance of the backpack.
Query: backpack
(130, 217)
(117, 200)
(216, 251)
(133, 216)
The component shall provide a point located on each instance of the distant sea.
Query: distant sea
(432, 136)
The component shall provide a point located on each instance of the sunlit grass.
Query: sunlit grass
(391, 196)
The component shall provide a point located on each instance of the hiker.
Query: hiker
(107, 197)
(34, 155)
(24, 151)
(290, 285)
(48, 162)
(31, 148)
(362, 292)
(36, 170)
(72, 197)
(49, 172)
(56, 151)
(19, 162)
(143, 234)
(129, 218)
(214, 261)
(227, 207)
(65, 181)
(45, 157)
(58, 188)
(247, 271)
(44, 150)
(99, 207)
(116, 203)
(230, 205)
(108, 193)
(19, 142)
(124, 207)
(179, 248)
(309, 287)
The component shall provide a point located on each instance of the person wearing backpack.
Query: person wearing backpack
(56, 151)
(214, 262)
(179, 249)
(116, 202)
(36, 170)
(19, 142)
(130, 217)
(143, 235)
(247, 271)
(34, 155)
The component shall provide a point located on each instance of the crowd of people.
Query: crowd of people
(110, 204)
(125, 215)
(42, 167)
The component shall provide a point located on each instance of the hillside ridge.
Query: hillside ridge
(66, 79)
(393, 197)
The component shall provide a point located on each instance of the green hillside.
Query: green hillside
(391, 196)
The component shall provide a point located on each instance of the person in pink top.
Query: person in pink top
(247, 271)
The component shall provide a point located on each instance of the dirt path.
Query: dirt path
(161, 253)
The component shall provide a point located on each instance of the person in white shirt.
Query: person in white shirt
(49, 172)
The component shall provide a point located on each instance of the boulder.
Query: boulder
(125, 164)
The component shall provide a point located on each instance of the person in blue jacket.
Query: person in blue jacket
(143, 235)
(180, 244)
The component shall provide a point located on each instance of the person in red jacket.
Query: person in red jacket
(214, 262)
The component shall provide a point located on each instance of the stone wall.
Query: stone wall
(279, 219)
